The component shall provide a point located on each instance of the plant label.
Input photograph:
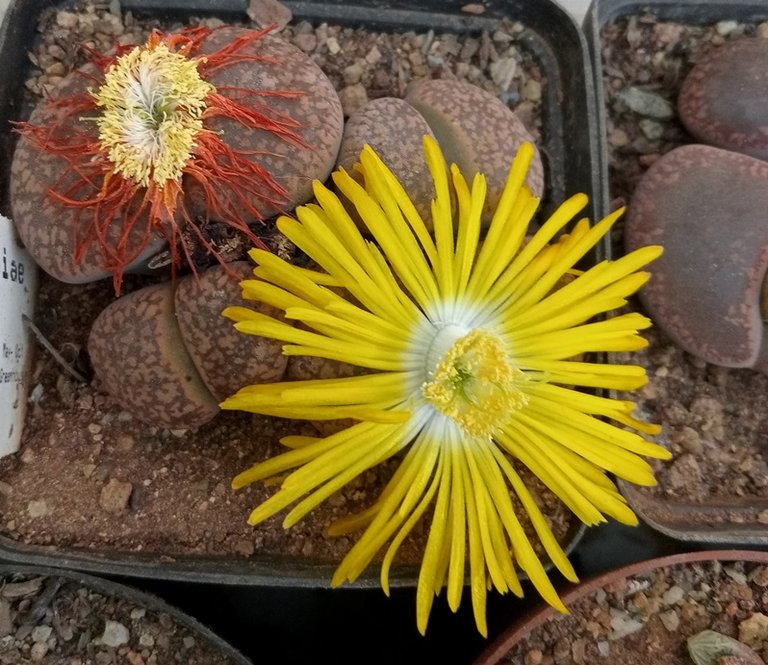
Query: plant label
(18, 288)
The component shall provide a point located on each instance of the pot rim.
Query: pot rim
(525, 625)
(134, 595)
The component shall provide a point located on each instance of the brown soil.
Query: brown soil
(90, 476)
(647, 618)
(57, 621)
(714, 420)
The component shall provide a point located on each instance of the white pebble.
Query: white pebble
(651, 129)
(622, 624)
(41, 633)
(115, 634)
(648, 104)
(333, 45)
(671, 620)
(725, 28)
(673, 595)
(38, 651)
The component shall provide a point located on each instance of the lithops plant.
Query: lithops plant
(706, 207)
(56, 233)
(228, 126)
(724, 99)
(476, 131)
(394, 129)
(167, 355)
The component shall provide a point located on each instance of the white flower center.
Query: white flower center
(153, 102)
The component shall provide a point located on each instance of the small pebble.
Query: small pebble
(562, 651)
(373, 56)
(532, 90)
(623, 624)
(333, 45)
(38, 651)
(38, 508)
(473, 8)
(115, 495)
(670, 619)
(736, 575)
(41, 633)
(647, 104)
(353, 97)
(725, 28)
(651, 129)
(66, 20)
(353, 73)
(115, 634)
(267, 12)
(534, 657)
(618, 138)
(754, 630)
(673, 595)
(503, 72)
(307, 42)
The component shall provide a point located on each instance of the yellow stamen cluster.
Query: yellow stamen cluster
(475, 384)
(152, 103)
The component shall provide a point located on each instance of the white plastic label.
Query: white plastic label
(18, 289)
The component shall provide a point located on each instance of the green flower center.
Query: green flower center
(152, 103)
(475, 384)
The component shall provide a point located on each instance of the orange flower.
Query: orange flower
(151, 105)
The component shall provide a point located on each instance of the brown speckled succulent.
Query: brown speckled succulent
(226, 359)
(168, 356)
(724, 99)
(707, 208)
(313, 104)
(227, 126)
(139, 356)
(48, 229)
(394, 129)
(476, 131)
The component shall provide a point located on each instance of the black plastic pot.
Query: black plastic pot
(139, 598)
(568, 147)
(687, 521)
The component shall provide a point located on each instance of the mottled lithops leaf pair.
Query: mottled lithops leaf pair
(146, 147)
(706, 204)
(475, 131)
(169, 357)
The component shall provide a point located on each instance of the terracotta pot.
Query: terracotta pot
(521, 629)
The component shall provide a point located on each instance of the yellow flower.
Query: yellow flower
(475, 351)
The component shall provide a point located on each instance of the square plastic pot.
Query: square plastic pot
(718, 520)
(568, 144)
